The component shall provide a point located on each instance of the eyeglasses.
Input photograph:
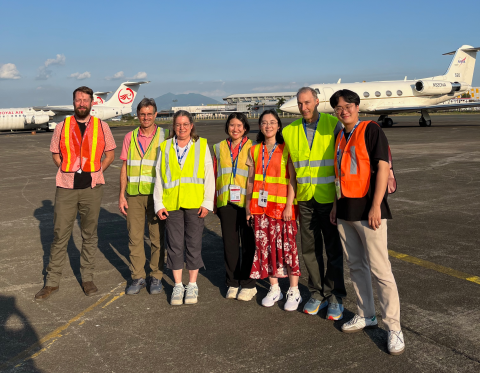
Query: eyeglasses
(80, 101)
(149, 115)
(265, 124)
(182, 125)
(348, 108)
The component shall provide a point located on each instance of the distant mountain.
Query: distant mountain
(166, 101)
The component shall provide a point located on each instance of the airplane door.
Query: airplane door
(328, 93)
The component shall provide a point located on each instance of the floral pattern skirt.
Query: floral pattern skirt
(275, 248)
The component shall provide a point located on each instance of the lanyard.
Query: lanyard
(269, 158)
(339, 158)
(234, 162)
(140, 144)
(180, 157)
(314, 131)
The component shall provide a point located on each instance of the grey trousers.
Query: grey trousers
(67, 203)
(315, 228)
(367, 254)
(184, 229)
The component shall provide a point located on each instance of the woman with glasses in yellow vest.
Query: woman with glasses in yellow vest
(183, 195)
(270, 207)
(231, 172)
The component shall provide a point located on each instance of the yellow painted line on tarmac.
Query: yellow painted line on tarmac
(56, 334)
(436, 267)
(114, 299)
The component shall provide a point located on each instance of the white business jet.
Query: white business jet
(119, 103)
(399, 96)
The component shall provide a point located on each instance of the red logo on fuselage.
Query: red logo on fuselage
(98, 101)
(126, 95)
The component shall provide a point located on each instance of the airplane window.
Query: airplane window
(389, 93)
(377, 94)
(366, 94)
(399, 92)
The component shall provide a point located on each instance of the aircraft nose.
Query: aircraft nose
(290, 106)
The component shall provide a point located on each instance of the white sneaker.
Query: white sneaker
(359, 323)
(396, 342)
(272, 297)
(232, 293)
(246, 294)
(293, 300)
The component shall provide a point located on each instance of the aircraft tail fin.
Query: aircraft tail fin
(100, 97)
(462, 66)
(125, 94)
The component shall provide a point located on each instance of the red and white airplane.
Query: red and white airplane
(47, 117)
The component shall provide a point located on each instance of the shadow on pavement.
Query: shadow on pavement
(16, 335)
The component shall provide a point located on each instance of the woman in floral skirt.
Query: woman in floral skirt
(271, 209)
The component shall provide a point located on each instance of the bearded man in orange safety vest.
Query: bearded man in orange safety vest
(78, 145)
(362, 174)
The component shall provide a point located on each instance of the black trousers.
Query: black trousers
(315, 228)
(234, 228)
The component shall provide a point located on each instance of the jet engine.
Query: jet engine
(436, 87)
(40, 119)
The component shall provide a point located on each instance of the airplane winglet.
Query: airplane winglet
(131, 84)
(102, 93)
(339, 81)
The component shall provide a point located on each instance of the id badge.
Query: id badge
(263, 198)
(338, 188)
(235, 193)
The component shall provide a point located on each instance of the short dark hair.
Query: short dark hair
(146, 102)
(349, 96)
(83, 89)
(242, 118)
(278, 137)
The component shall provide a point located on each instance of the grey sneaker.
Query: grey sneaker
(177, 295)
(155, 286)
(359, 323)
(137, 285)
(191, 294)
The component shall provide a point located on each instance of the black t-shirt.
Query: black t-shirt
(355, 209)
(82, 180)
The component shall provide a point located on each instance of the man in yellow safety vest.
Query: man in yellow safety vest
(310, 142)
(137, 178)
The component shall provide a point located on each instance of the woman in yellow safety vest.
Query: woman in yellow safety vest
(270, 200)
(183, 195)
(231, 172)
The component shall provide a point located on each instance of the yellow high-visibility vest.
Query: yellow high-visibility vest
(183, 187)
(225, 172)
(314, 168)
(141, 170)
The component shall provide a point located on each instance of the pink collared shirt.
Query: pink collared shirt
(65, 179)
(142, 139)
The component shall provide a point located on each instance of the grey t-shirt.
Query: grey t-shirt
(310, 130)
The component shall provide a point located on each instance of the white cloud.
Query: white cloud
(43, 72)
(9, 71)
(277, 87)
(140, 75)
(81, 76)
(119, 75)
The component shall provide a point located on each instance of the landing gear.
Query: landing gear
(425, 120)
(385, 121)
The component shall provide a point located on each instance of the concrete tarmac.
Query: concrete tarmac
(434, 238)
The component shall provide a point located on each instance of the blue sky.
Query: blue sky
(219, 48)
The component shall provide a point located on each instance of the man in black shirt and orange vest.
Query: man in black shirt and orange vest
(77, 147)
(361, 212)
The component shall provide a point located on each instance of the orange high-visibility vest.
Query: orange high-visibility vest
(276, 181)
(355, 171)
(77, 152)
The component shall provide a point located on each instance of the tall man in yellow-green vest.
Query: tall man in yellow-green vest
(137, 178)
(78, 145)
(310, 142)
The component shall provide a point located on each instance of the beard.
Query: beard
(82, 112)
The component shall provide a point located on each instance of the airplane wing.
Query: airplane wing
(394, 110)
(55, 109)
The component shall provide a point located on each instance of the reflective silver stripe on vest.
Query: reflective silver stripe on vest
(303, 180)
(225, 189)
(300, 164)
(322, 163)
(147, 179)
(133, 179)
(168, 145)
(229, 170)
(148, 162)
(131, 162)
(216, 148)
(183, 180)
(323, 180)
(197, 158)
(353, 162)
